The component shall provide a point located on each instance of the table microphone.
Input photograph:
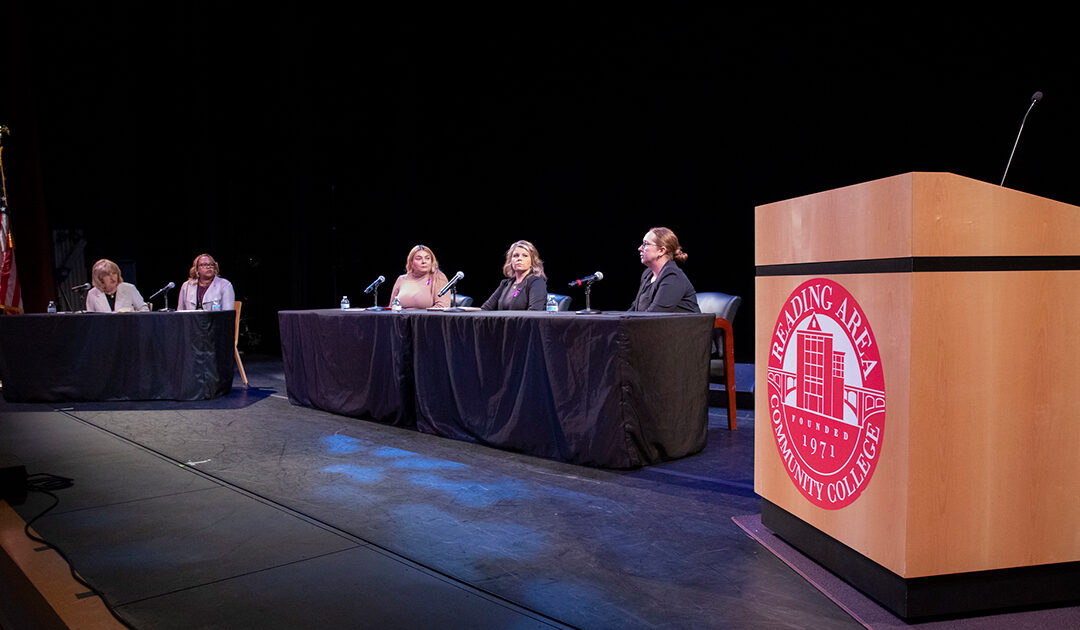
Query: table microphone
(1035, 98)
(82, 287)
(587, 279)
(449, 285)
(161, 290)
(375, 285)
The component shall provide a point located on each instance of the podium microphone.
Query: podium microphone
(82, 287)
(375, 285)
(1035, 98)
(587, 279)
(449, 285)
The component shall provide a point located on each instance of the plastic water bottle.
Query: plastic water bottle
(552, 303)
(216, 304)
(52, 307)
(395, 305)
(345, 303)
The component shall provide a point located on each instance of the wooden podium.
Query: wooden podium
(973, 295)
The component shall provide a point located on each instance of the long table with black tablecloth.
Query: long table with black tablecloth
(614, 390)
(117, 356)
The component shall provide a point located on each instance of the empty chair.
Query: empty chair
(722, 362)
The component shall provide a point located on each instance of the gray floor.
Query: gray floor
(249, 512)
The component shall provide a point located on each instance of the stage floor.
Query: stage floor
(249, 512)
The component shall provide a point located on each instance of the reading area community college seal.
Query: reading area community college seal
(826, 393)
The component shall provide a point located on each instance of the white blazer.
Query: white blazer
(128, 298)
(220, 288)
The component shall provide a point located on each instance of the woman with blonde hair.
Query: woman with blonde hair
(525, 286)
(205, 287)
(664, 287)
(110, 293)
(419, 286)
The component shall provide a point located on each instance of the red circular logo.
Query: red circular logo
(826, 393)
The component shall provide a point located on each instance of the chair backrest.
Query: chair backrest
(461, 300)
(719, 304)
(562, 300)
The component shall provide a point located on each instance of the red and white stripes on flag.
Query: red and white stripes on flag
(10, 294)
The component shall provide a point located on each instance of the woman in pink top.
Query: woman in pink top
(419, 286)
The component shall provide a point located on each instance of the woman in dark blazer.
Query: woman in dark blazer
(525, 286)
(664, 287)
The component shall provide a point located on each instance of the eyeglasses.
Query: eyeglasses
(647, 245)
(206, 264)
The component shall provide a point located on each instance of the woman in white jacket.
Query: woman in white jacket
(205, 287)
(110, 293)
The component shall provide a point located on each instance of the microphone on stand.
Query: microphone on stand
(375, 285)
(1035, 98)
(453, 281)
(587, 279)
(587, 282)
(161, 290)
(82, 287)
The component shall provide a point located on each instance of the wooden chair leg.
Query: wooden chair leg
(729, 367)
(729, 373)
(240, 364)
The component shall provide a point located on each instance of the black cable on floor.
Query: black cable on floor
(45, 483)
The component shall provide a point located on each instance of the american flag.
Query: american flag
(10, 294)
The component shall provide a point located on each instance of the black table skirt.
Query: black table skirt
(615, 390)
(355, 363)
(116, 356)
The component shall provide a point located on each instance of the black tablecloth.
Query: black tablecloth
(117, 356)
(615, 390)
(356, 363)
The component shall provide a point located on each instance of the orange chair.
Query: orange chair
(236, 340)
(722, 363)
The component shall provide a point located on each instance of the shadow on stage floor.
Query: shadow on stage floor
(250, 512)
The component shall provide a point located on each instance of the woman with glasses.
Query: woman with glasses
(422, 281)
(664, 287)
(205, 289)
(525, 286)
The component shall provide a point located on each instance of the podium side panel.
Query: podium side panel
(995, 440)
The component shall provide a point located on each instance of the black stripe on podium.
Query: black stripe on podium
(924, 264)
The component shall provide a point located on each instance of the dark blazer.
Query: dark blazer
(531, 297)
(671, 293)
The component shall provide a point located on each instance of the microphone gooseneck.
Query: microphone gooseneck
(1035, 98)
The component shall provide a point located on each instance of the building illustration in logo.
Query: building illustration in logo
(826, 394)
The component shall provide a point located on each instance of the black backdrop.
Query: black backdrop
(308, 148)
